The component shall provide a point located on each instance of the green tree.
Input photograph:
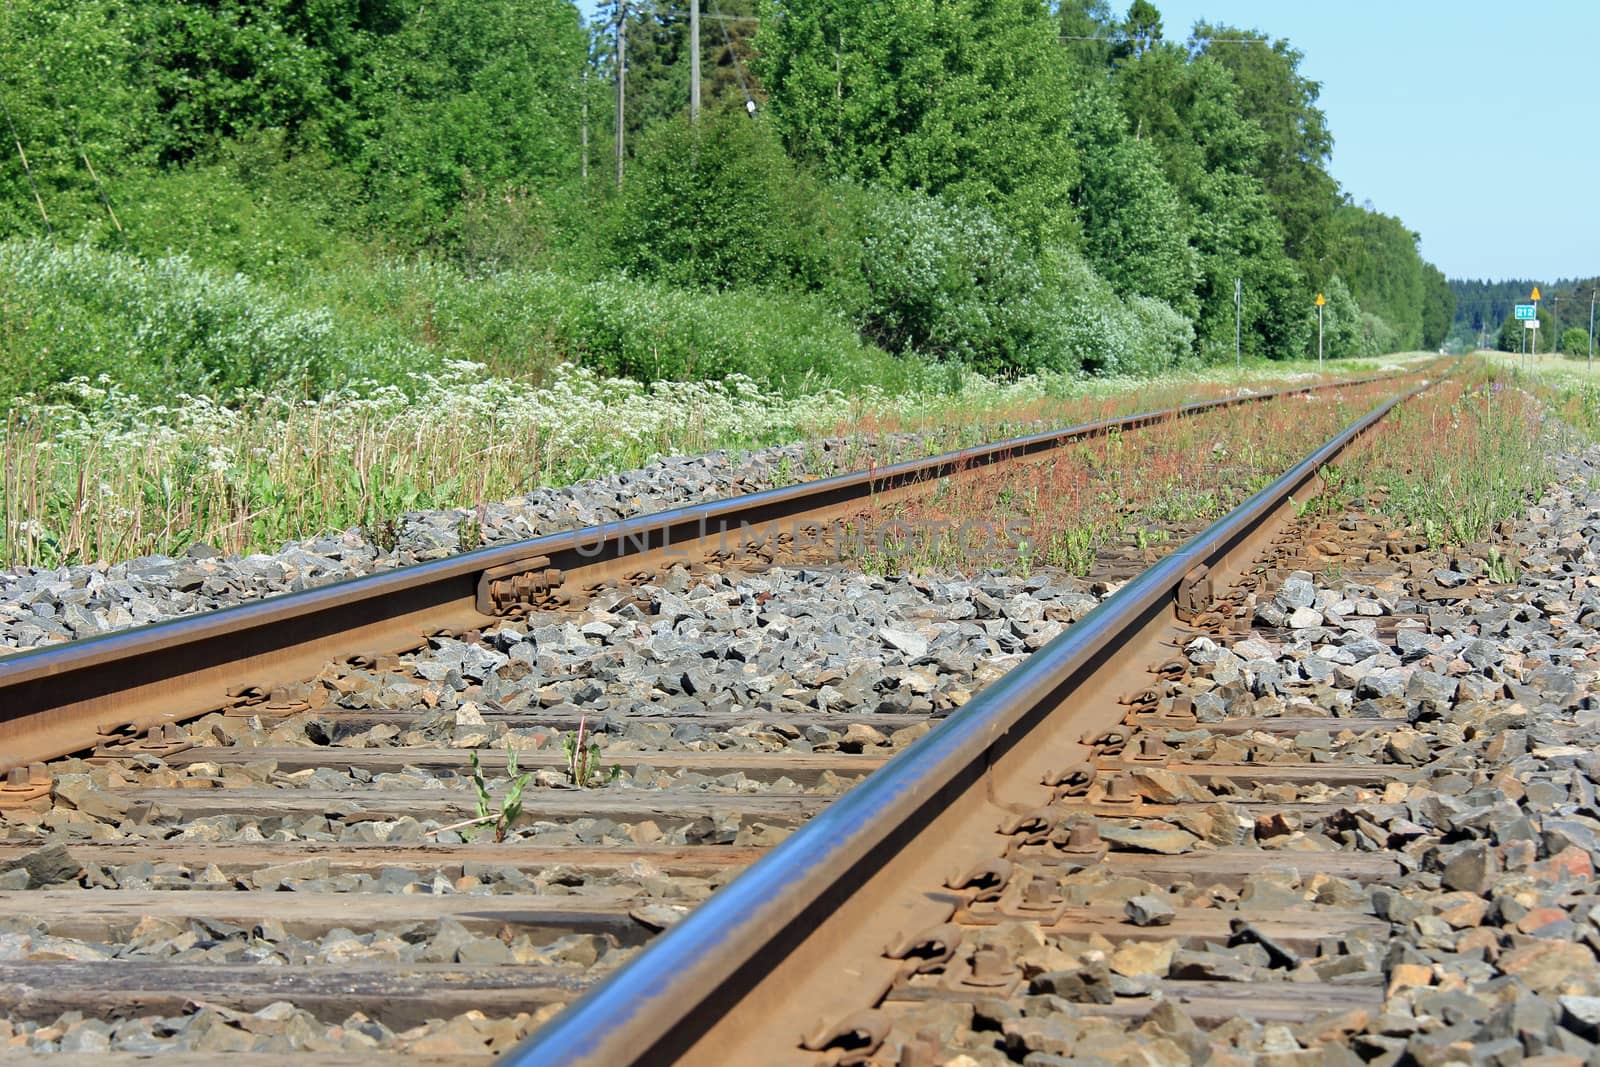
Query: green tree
(1438, 307)
(1141, 30)
(659, 63)
(1377, 256)
(1341, 322)
(69, 95)
(967, 99)
(1282, 102)
(1187, 108)
(1087, 35)
(1514, 336)
(1575, 341)
(470, 95)
(1133, 224)
(722, 205)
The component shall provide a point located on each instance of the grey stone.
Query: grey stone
(49, 865)
(1581, 1015)
(1149, 911)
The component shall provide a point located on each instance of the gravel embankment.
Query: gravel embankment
(1474, 938)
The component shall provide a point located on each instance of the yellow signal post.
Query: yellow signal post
(1534, 348)
(1320, 301)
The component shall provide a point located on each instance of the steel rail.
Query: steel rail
(62, 698)
(746, 976)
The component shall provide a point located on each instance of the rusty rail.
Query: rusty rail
(780, 958)
(66, 698)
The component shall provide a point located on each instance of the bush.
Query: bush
(1341, 324)
(949, 282)
(1096, 331)
(252, 208)
(721, 205)
(165, 326)
(1575, 342)
(1378, 337)
(523, 323)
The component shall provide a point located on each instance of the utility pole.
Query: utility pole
(1592, 294)
(1555, 323)
(585, 136)
(1238, 320)
(622, 77)
(694, 60)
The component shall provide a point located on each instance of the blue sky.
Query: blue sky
(1477, 123)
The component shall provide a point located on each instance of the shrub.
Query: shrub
(721, 205)
(1575, 342)
(523, 323)
(1378, 337)
(165, 326)
(949, 282)
(1097, 331)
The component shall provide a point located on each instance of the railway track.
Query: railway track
(282, 847)
(1240, 811)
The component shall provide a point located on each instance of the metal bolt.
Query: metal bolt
(991, 966)
(1119, 790)
(1083, 837)
(1038, 893)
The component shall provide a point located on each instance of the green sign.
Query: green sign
(1526, 311)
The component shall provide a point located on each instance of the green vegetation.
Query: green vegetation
(269, 267)
(99, 473)
(1454, 462)
(234, 196)
(510, 808)
(583, 759)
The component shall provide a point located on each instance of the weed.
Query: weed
(1073, 549)
(509, 810)
(384, 533)
(1026, 554)
(510, 804)
(469, 531)
(1503, 570)
(583, 763)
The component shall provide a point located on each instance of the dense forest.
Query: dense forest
(1010, 185)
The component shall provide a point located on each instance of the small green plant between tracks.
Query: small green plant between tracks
(583, 761)
(502, 816)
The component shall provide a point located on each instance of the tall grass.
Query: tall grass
(99, 473)
(1482, 458)
(1457, 460)
(164, 326)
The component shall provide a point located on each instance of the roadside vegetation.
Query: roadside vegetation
(276, 197)
(268, 268)
(101, 473)
(1454, 463)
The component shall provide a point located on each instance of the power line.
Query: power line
(738, 65)
(1201, 40)
(48, 229)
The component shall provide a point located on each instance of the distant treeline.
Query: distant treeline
(1485, 312)
(1011, 185)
